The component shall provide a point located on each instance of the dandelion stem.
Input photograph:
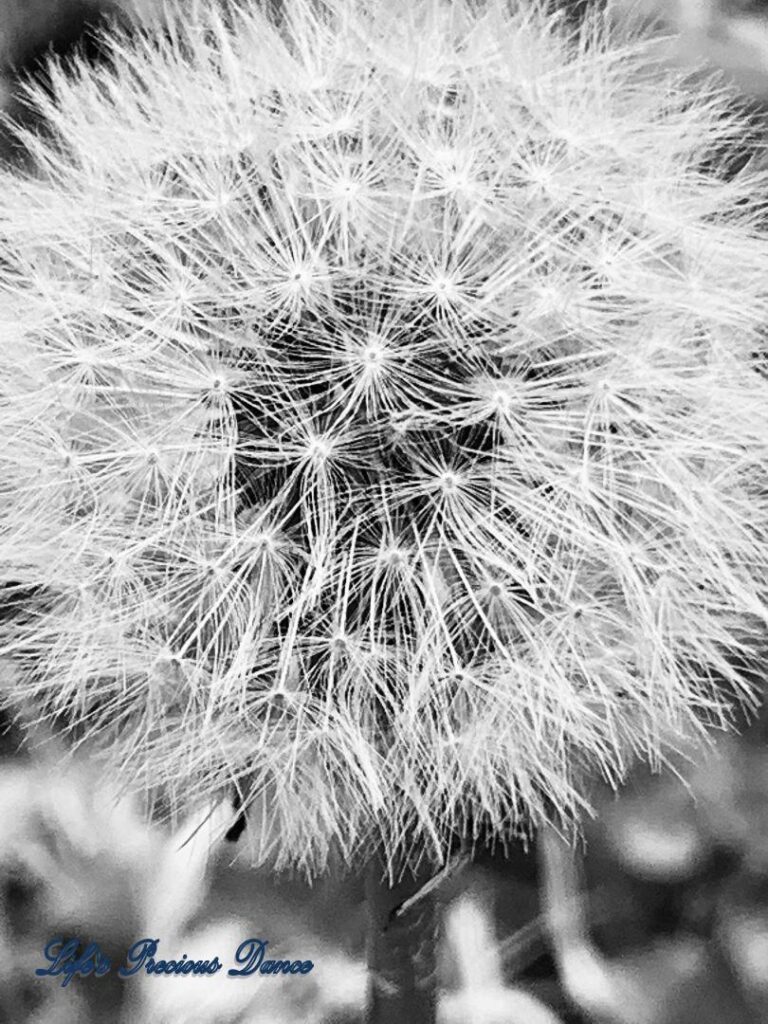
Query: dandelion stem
(402, 946)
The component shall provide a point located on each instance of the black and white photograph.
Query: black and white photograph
(383, 512)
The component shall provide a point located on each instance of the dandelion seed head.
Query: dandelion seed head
(449, 482)
(319, 448)
(346, 188)
(386, 416)
(444, 288)
(394, 556)
(265, 540)
(498, 394)
(340, 641)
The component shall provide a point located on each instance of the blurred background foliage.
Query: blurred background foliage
(665, 921)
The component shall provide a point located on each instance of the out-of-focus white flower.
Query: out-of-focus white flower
(481, 996)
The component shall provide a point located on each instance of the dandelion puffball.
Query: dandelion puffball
(384, 409)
